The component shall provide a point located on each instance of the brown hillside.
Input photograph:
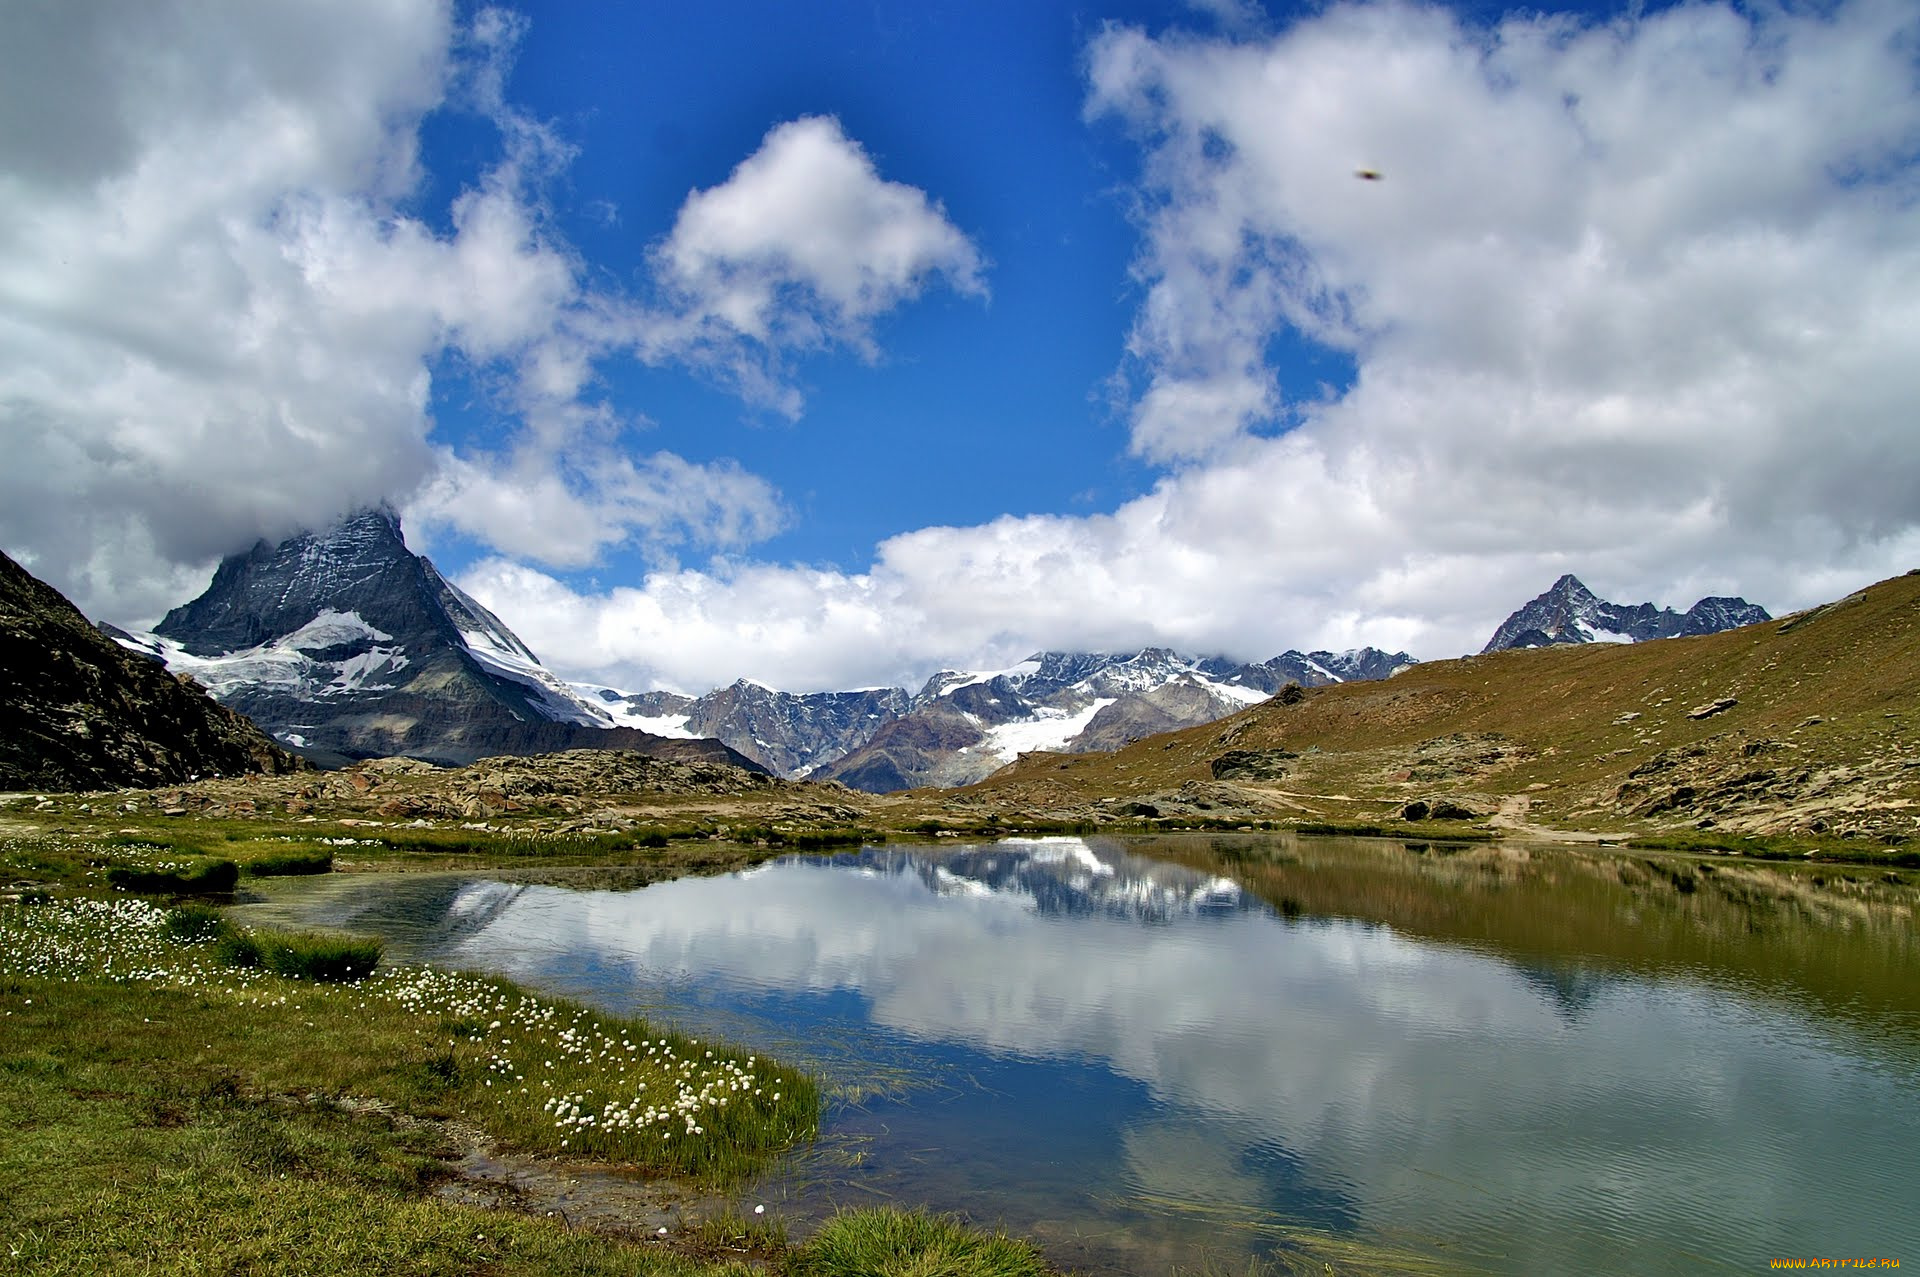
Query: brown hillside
(1818, 736)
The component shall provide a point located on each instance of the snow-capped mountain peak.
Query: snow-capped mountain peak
(347, 642)
(1571, 613)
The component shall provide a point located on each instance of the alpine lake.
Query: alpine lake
(1248, 1053)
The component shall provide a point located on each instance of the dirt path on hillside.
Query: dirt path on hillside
(1512, 817)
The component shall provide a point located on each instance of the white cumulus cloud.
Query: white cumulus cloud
(801, 248)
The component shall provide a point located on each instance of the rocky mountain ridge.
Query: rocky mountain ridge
(82, 713)
(1801, 727)
(1571, 613)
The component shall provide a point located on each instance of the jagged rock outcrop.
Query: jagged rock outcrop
(81, 712)
(1167, 708)
(1314, 669)
(1571, 613)
(936, 746)
(1255, 765)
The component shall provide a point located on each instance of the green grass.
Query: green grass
(1425, 831)
(542, 1074)
(1762, 847)
(187, 878)
(196, 924)
(318, 959)
(290, 864)
(807, 839)
(889, 1242)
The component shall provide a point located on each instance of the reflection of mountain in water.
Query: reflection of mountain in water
(1067, 877)
(1572, 989)
(429, 914)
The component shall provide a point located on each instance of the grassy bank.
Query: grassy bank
(170, 1112)
(1760, 847)
(213, 857)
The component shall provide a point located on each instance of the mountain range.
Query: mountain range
(963, 725)
(344, 644)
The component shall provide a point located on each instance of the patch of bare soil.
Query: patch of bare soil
(593, 1196)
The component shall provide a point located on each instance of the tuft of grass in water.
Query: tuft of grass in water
(314, 958)
(196, 923)
(1425, 831)
(889, 1242)
(239, 950)
(291, 864)
(732, 1231)
(805, 840)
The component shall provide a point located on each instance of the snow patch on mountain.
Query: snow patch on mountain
(621, 714)
(1605, 636)
(335, 654)
(1048, 729)
(332, 629)
(553, 698)
(1237, 692)
(947, 682)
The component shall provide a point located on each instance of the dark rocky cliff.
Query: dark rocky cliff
(81, 712)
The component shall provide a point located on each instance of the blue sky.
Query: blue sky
(974, 406)
(830, 344)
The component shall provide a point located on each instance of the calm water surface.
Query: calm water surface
(1148, 1053)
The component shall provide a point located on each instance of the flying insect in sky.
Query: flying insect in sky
(1367, 174)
